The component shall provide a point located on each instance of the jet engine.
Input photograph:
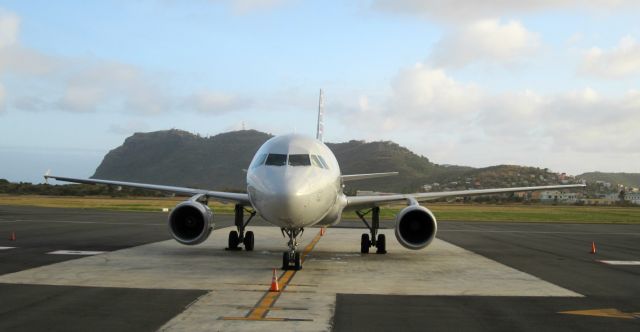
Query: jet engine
(416, 227)
(191, 222)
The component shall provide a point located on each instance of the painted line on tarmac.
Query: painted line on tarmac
(620, 262)
(7, 248)
(83, 222)
(75, 252)
(265, 304)
(529, 232)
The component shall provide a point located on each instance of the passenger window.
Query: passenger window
(299, 160)
(315, 161)
(276, 159)
(260, 160)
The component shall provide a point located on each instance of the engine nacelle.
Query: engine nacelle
(190, 222)
(416, 227)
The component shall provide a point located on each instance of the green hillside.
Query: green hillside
(176, 157)
(626, 179)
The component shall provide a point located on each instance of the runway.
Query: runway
(121, 271)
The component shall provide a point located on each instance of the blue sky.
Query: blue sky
(542, 83)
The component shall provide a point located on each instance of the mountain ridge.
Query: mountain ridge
(177, 157)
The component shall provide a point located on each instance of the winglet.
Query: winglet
(320, 129)
(46, 176)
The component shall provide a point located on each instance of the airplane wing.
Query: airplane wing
(216, 195)
(375, 200)
(366, 176)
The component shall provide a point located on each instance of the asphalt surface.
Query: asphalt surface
(557, 253)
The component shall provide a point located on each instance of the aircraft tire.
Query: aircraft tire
(297, 262)
(248, 241)
(234, 240)
(285, 260)
(365, 243)
(381, 244)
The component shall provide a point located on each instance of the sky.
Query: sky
(551, 84)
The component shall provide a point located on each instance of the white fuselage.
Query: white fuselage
(294, 181)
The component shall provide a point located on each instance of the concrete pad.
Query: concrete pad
(237, 280)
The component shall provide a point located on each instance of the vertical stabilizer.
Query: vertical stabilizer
(320, 129)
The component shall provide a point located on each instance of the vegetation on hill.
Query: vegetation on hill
(625, 179)
(176, 157)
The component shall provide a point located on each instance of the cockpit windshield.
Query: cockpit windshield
(299, 160)
(274, 159)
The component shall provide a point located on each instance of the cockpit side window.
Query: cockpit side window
(299, 160)
(274, 159)
(315, 161)
(324, 163)
(259, 161)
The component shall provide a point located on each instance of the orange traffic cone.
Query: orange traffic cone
(274, 283)
(593, 247)
(13, 236)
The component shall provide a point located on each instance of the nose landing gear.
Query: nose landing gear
(291, 259)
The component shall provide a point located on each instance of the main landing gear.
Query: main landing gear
(291, 259)
(239, 236)
(365, 242)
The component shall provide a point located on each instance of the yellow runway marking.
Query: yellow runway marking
(265, 304)
(611, 313)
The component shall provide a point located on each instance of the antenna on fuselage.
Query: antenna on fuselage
(320, 129)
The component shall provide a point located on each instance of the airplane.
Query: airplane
(294, 182)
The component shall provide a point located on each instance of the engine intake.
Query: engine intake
(191, 222)
(416, 227)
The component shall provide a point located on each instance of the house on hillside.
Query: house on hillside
(633, 197)
(558, 196)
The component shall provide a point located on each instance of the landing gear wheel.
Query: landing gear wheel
(291, 262)
(381, 244)
(365, 243)
(234, 240)
(285, 260)
(297, 262)
(248, 241)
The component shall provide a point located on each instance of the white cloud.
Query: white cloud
(214, 102)
(456, 122)
(425, 91)
(621, 61)
(462, 10)
(88, 84)
(103, 85)
(485, 41)
(9, 27)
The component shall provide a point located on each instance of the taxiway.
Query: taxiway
(122, 271)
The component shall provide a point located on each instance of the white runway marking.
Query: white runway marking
(529, 232)
(6, 248)
(84, 222)
(621, 262)
(75, 252)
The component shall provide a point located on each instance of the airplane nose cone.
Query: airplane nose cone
(288, 201)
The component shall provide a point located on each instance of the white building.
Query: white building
(558, 196)
(633, 197)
